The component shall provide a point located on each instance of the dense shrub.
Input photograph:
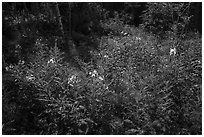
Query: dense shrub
(136, 71)
(130, 86)
(168, 17)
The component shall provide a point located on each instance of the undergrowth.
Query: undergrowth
(131, 89)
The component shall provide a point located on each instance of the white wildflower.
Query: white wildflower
(101, 78)
(137, 38)
(96, 76)
(173, 51)
(30, 77)
(52, 60)
(73, 77)
(124, 33)
(94, 73)
(72, 80)
(105, 56)
(7, 68)
(11, 66)
(21, 62)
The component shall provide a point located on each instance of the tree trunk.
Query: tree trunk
(13, 6)
(49, 11)
(59, 18)
(198, 16)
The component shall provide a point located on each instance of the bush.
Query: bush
(156, 87)
(130, 89)
(166, 18)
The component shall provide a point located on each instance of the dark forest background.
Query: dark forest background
(101, 68)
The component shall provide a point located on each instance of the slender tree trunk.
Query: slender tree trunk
(25, 7)
(72, 47)
(198, 16)
(3, 62)
(13, 6)
(59, 18)
(49, 10)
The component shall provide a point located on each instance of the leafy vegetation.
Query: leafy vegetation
(103, 75)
